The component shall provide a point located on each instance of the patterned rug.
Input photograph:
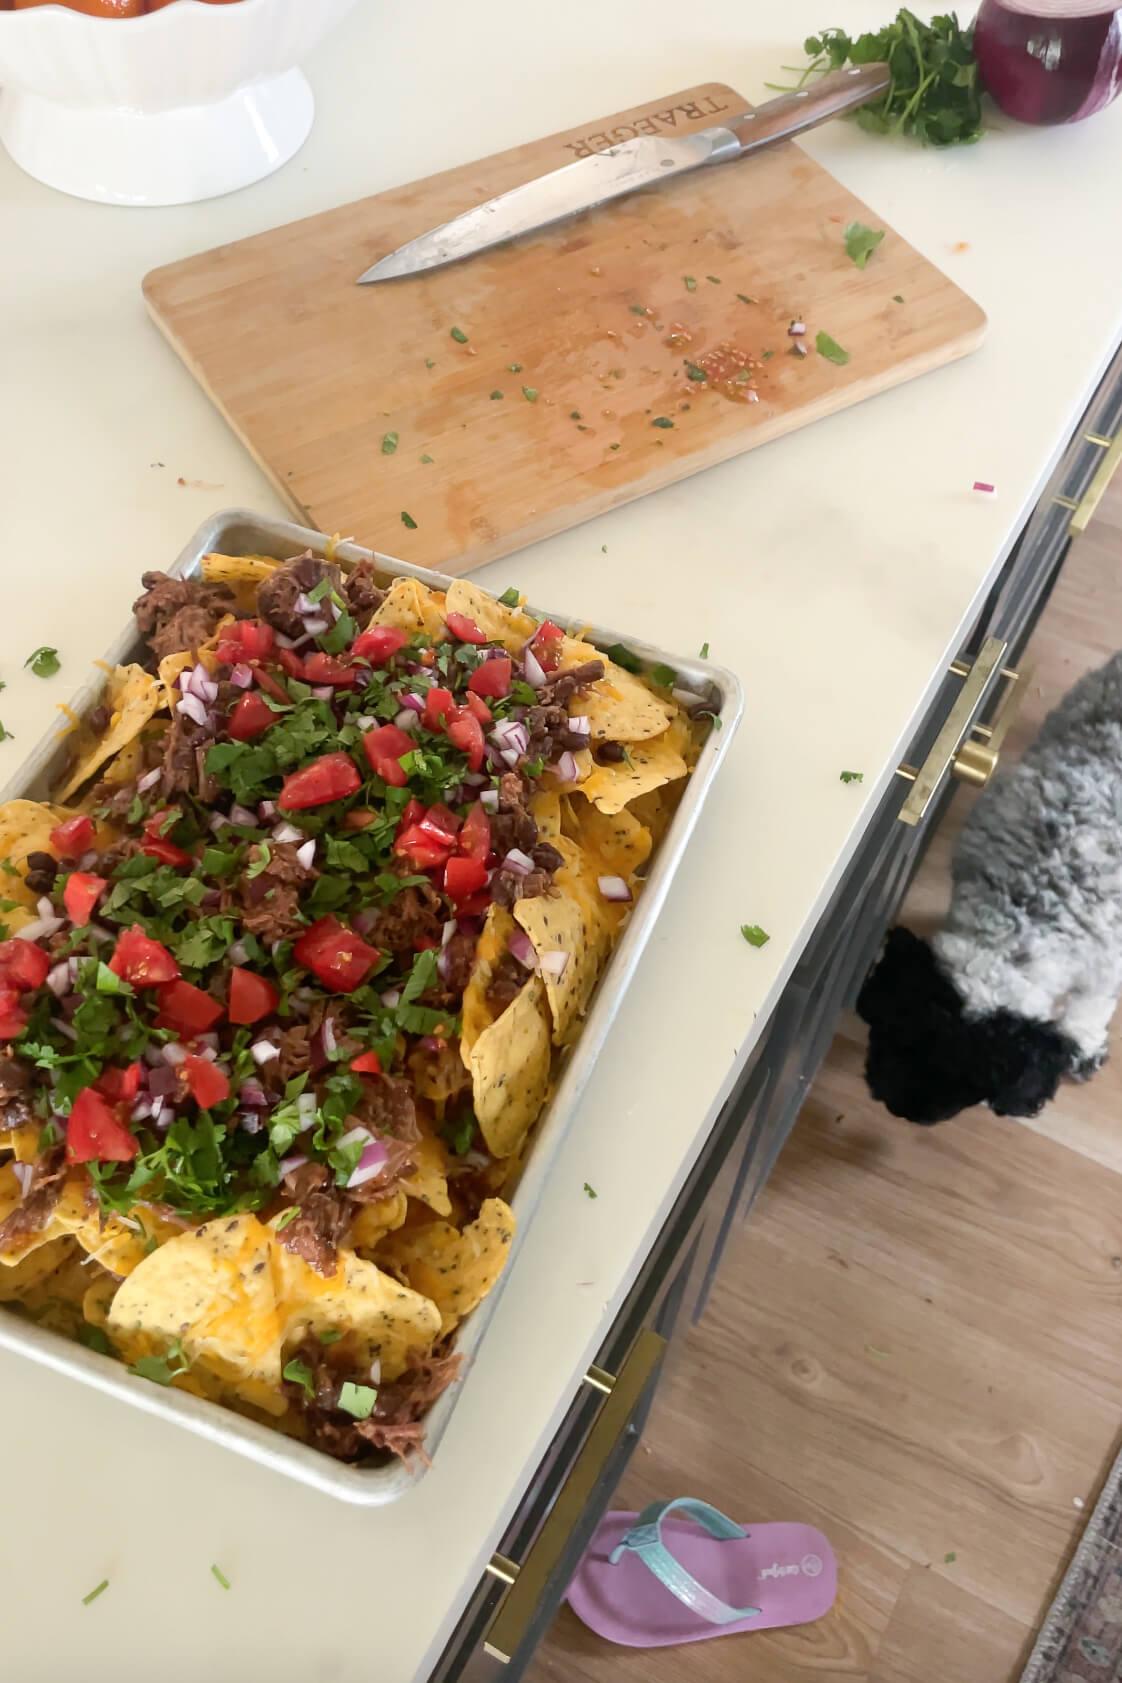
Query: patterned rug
(1081, 1641)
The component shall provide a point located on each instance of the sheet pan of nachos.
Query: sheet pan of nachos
(317, 912)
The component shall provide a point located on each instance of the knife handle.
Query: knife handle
(794, 113)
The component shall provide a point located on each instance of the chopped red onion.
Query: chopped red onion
(448, 931)
(141, 1109)
(40, 929)
(153, 1057)
(532, 669)
(799, 348)
(981, 485)
(554, 963)
(414, 702)
(65, 1028)
(327, 1031)
(315, 627)
(266, 810)
(289, 1164)
(304, 606)
(518, 862)
(365, 920)
(376, 1371)
(431, 1043)
(579, 723)
(241, 675)
(366, 721)
(284, 642)
(173, 1053)
(242, 815)
(193, 708)
(566, 768)
(45, 906)
(164, 1117)
(753, 395)
(306, 1106)
(489, 800)
(199, 683)
(249, 1123)
(353, 1135)
(252, 1095)
(370, 1164)
(237, 953)
(510, 757)
(391, 997)
(163, 1081)
(510, 734)
(406, 719)
(148, 781)
(59, 979)
(323, 692)
(522, 947)
(286, 832)
(443, 965)
(208, 1039)
(307, 854)
(218, 821)
(263, 1052)
(613, 888)
(88, 859)
(212, 897)
(23, 1173)
(99, 932)
(797, 329)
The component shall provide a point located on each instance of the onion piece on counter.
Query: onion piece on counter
(613, 888)
(797, 329)
(981, 485)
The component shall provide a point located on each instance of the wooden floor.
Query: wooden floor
(914, 1343)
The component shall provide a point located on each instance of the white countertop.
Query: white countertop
(835, 570)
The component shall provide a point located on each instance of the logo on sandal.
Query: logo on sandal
(809, 1567)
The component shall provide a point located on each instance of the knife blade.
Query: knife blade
(626, 168)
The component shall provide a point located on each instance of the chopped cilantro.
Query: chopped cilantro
(408, 521)
(704, 655)
(510, 598)
(460, 1134)
(638, 310)
(44, 662)
(949, 1559)
(574, 414)
(287, 1217)
(662, 421)
(389, 445)
(299, 1373)
(860, 242)
(530, 394)
(163, 1369)
(459, 336)
(714, 280)
(754, 935)
(764, 355)
(109, 982)
(831, 350)
(429, 363)
(427, 460)
(496, 395)
(515, 367)
(897, 298)
(357, 1400)
(5, 734)
(664, 676)
(330, 1335)
(217, 1572)
(589, 1190)
(622, 655)
(691, 283)
(852, 776)
(94, 1593)
(745, 299)
(261, 862)
(613, 446)
(340, 637)
(94, 1338)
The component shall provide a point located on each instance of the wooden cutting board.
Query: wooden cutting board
(598, 317)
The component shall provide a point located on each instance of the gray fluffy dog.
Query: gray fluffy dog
(1018, 990)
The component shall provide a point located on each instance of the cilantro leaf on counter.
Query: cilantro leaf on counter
(357, 1400)
(589, 1190)
(853, 776)
(217, 1572)
(94, 1593)
(704, 654)
(754, 935)
(860, 242)
(831, 350)
(44, 662)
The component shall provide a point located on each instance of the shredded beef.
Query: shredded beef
(386, 1107)
(324, 1217)
(415, 914)
(513, 825)
(113, 798)
(507, 887)
(271, 899)
(177, 614)
(551, 733)
(97, 719)
(396, 1423)
(563, 685)
(457, 961)
(362, 592)
(185, 744)
(14, 1078)
(276, 595)
(546, 857)
(508, 978)
(42, 868)
(34, 1211)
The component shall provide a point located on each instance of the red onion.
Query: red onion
(153, 1057)
(289, 1164)
(581, 725)
(23, 1173)
(443, 965)
(99, 932)
(799, 348)
(366, 721)
(142, 1109)
(305, 607)
(376, 1371)
(237, 953)
(510, 734)
(430, 1043)
(242, 815)
(323, 692)
(354, 1134)
(164, 1117)
(517, 862)
(522, 947)
(364, 921)
(199, 683)
(306, 1107)
(218, 821)
(212, 897)
(40, 929)
(414, 702)
(45, 906)
(566, 768)
(980, 485)
(173, 1053)
(554, 963)
(263, 1052)
(532, 669)
(148, 781)
(266, 810)
(59, 979)
(252, 1095)
(369, 1165)
(64, 1027)
(284, 642)
(489, 800)
(406, 719)
(241, 675)
(448, 931)
(208, 1039)
(250, 1123)
(797, 329)
(330, 1042)
(391, 997)
(193, 708)
(613, 888)
(286, 832)
(753, 395)
(163, 1081)
(510, 757)
(307, 854)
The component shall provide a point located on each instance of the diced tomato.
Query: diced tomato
(140, 960)
(157, 847)
(161, 823)
(440, 706)
(187, 1009)
(251, 996)
(466, 733)
(81, 895)
(379, 644)
(492, 677)
(422, 852)
(463, 877)
(464, 628)
(291, 663)
(13, 1017)
(412, 814)
(322, 668)
(383, 747)
(367, 1063)
(249, 716)
(270, 686)
(118, 1085)
(546, 644)
(475, 905)
(340, 959)
(441, 824)
(329, 778)
(424, 943)
(96, 1133)
(248, 639)
(478, 708)
(73, 837)
(475, 833)
(209, 1085)
(427, 657)
(23, 965)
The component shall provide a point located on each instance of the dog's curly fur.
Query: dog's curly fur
(1017, 991)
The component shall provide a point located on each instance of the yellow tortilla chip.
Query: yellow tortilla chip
(126, 765)
(132, 696)
(429, 1181)
(477, 1013)
(386, 1317)
(455, 1268)
(23, 1142)
(648, 766)
(25, 827)
(569, 921)
(619, 842)
(97, 1302)
(508, 626)
(18, 1278)
(374, 1221)
(546, 810)
(510, 1068)
(620, 707)
(240, 573)
(411, 606)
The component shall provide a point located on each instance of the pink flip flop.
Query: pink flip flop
(648, 1581)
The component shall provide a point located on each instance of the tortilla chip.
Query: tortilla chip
(620, 707)
(620, 843)
(387, 1318)
(569, 921)
(648, 766)
(411, 606)
(55, 1300)
(25, 827)
(97, 1302)
(375, 1220)
(510, 1068)
(455, 1268)
(240, 573)
(23, 1142)
(429, 1181)
(132, 696)
(18, 1278)
(546, 810)
(213, 1289)
(126, 765)
(477, 1013)
(508, 626)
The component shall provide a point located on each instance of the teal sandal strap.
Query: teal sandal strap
(645, 1540)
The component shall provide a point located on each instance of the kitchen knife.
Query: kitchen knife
(622, 169)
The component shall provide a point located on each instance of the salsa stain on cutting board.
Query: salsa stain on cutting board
(314, 371)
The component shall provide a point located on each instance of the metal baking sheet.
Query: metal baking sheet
(239, 532)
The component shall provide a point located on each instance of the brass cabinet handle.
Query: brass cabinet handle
(954, 750)
(1084, 509)
(528, 1581)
